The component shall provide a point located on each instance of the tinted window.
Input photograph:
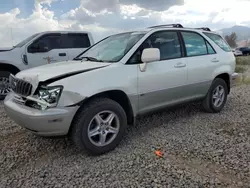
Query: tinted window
(219, 41)
(50, 41)
(167, 42)
(194, 43)
(77, 41)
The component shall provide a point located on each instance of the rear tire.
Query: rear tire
(216, 97)
(89, 126)
(4, 81)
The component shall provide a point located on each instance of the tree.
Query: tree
(231, 39)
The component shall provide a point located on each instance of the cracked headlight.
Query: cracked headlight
(50, 95)
(45, 97)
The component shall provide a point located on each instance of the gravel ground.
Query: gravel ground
(200, 150)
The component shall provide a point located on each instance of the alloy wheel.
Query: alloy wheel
(103, 128)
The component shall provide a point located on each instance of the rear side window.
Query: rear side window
(79, 40)
(194, 43)
(219, 41)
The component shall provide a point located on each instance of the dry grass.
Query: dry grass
(243, 60)
(242, 66)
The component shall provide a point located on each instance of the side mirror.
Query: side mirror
(149, 55)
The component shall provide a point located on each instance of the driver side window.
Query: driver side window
(46, 44)
(166, 41)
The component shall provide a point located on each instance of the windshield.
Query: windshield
(20, 44)
(113, 48)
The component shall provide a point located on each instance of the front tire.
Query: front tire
(4, 84)
(99, 126)
(216, 97)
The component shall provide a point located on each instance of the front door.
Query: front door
(164, 82)
(46, 50)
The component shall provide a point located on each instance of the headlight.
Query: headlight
(50, 95)
(46, 97)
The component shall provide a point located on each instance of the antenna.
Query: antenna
(11, 36)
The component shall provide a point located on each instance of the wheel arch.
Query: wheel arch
(117, 95)
(9, 67)
(226, 78)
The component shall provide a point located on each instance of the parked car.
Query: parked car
(237, 52)
(40, 49)
(241, 51)
(92, 98)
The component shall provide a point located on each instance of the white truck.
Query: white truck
(40, 49)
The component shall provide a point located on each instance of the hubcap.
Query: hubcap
(103, 128)
(4, 86)
(218, 96)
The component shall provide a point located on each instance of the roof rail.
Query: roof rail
(204, 28)
(167, 25)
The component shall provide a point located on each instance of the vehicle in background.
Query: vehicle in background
(241, 51)
(41, 49)
(93, 98)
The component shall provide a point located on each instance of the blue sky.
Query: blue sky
(26, 6)
(105, 17)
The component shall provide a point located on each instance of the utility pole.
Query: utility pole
(11, 36)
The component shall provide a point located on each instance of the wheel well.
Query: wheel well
(8, 67)
(118, 96)
(226, 78)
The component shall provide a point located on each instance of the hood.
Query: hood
(3, 49)
(56, 71)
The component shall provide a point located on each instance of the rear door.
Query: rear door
(47, 49)
(76, 43)
(201, 60)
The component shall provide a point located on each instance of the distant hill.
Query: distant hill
(242, 32)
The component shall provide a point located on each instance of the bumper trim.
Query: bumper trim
(234, 77)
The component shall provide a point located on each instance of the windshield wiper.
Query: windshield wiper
(88, 58)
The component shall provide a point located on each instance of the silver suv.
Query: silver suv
(93, 98)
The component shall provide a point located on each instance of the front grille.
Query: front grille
(19, 86)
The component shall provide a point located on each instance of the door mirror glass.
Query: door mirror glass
(150, 55)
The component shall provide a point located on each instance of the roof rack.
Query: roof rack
(167, 25)
(204, 28)
(178, 26)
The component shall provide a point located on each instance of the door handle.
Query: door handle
(215, 60)
(180, 65)
(62, 54)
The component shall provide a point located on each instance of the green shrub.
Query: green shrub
(240, 69)
(243, 60)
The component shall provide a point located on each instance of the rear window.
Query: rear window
(219, 41)
(79, 40)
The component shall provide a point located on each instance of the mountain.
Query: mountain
(242, 32)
